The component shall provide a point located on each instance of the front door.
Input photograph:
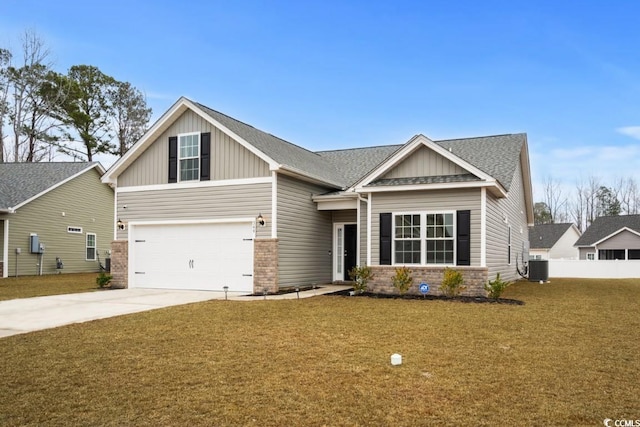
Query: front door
(350, 248)
(345, 249)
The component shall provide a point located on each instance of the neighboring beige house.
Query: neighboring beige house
(54, 211)
(611, 237)
(205, 201)
(553, 241)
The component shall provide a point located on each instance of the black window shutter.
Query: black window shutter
(205, 156)
(385, 239)
(173, 159)
(463, 238)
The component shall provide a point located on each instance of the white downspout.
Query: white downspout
(483, 227)
(369, 204)
(5, 249)
(274, 205)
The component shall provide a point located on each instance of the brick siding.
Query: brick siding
(120, 264)
(265, 265)
(474, 280)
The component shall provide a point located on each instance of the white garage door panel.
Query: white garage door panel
(193, 256)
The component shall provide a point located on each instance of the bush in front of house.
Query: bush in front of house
(103, 279)
(452, 283)
(496, 287)
(402, 279)
(360, 276)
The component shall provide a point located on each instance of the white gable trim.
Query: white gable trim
(412, 145)
(495, 189)
(604, 239)
(198, 184)
(161, 125)
(64, 181)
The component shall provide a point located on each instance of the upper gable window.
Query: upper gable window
(189, 156)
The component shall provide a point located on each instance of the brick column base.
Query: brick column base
(265, 266)
(120, 264)
(474, 279)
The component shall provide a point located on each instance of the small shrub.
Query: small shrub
(103, 279)
(452, 283)
(496, 287)
(402, 279)
(360, 276)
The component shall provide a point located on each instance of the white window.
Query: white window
(91, 246)
(591, 256)
(424, 238)
(189, 157)
(77, 230)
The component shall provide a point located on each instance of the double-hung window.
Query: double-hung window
(189, 156)
(407, 239)
(424, 238)
(91, 246)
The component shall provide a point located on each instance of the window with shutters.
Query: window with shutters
(189, 157)
(424, 238)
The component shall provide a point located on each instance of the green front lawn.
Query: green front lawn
(50, 284)
(569, 356)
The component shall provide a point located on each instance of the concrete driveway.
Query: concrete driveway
(24, 315)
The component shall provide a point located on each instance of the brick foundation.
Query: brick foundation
(265, 266)
(474, 279)
(120, 264)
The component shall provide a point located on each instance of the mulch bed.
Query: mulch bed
(464, 299)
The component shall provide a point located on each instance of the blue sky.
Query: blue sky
(337, 74)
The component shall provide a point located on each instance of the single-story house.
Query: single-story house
(553, 241)
(204, 201)
(611, 237)
(54, 217)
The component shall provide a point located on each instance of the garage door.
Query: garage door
(192, 256)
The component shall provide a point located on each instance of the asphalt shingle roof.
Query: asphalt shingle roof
(607, 225)
(544, 236)
(497, 156)
(21, 181)
(424, 180)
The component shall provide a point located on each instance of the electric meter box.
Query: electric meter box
(34, 244)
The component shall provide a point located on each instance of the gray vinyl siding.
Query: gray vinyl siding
(513, 207)
(585, 251)
(623, 240)
(346, 216)
(426, 201)
(86, 203)
(304, 234)
(425, 162)
(229, 159)
(197, 203)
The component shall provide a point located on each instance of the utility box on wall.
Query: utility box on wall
(34, 244)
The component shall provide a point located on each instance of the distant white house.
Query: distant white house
(553, 241)
(611, 238)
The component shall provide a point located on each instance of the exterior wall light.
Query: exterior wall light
(120, 224)
(260, 220)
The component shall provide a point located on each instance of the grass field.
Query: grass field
(569, 356)
(52, 284)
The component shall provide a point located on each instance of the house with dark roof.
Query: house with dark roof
(611, 237)
(553, 241)
(54, 217)
(205, 201)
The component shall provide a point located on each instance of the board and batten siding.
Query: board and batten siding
(425, 162)
(304, 234)
(229, 159)
(502, 213)
(197, 203)
(426, 201)
(86, 203)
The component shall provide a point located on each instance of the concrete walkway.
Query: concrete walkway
(24, 315)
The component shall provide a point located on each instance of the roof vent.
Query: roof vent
(450, 149)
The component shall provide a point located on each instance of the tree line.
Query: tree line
(80, 113)
(588, 200)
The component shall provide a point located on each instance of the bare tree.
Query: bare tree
(628, 194)
(555, 200)
(32, 102)
(130, 114)
(5, 62)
